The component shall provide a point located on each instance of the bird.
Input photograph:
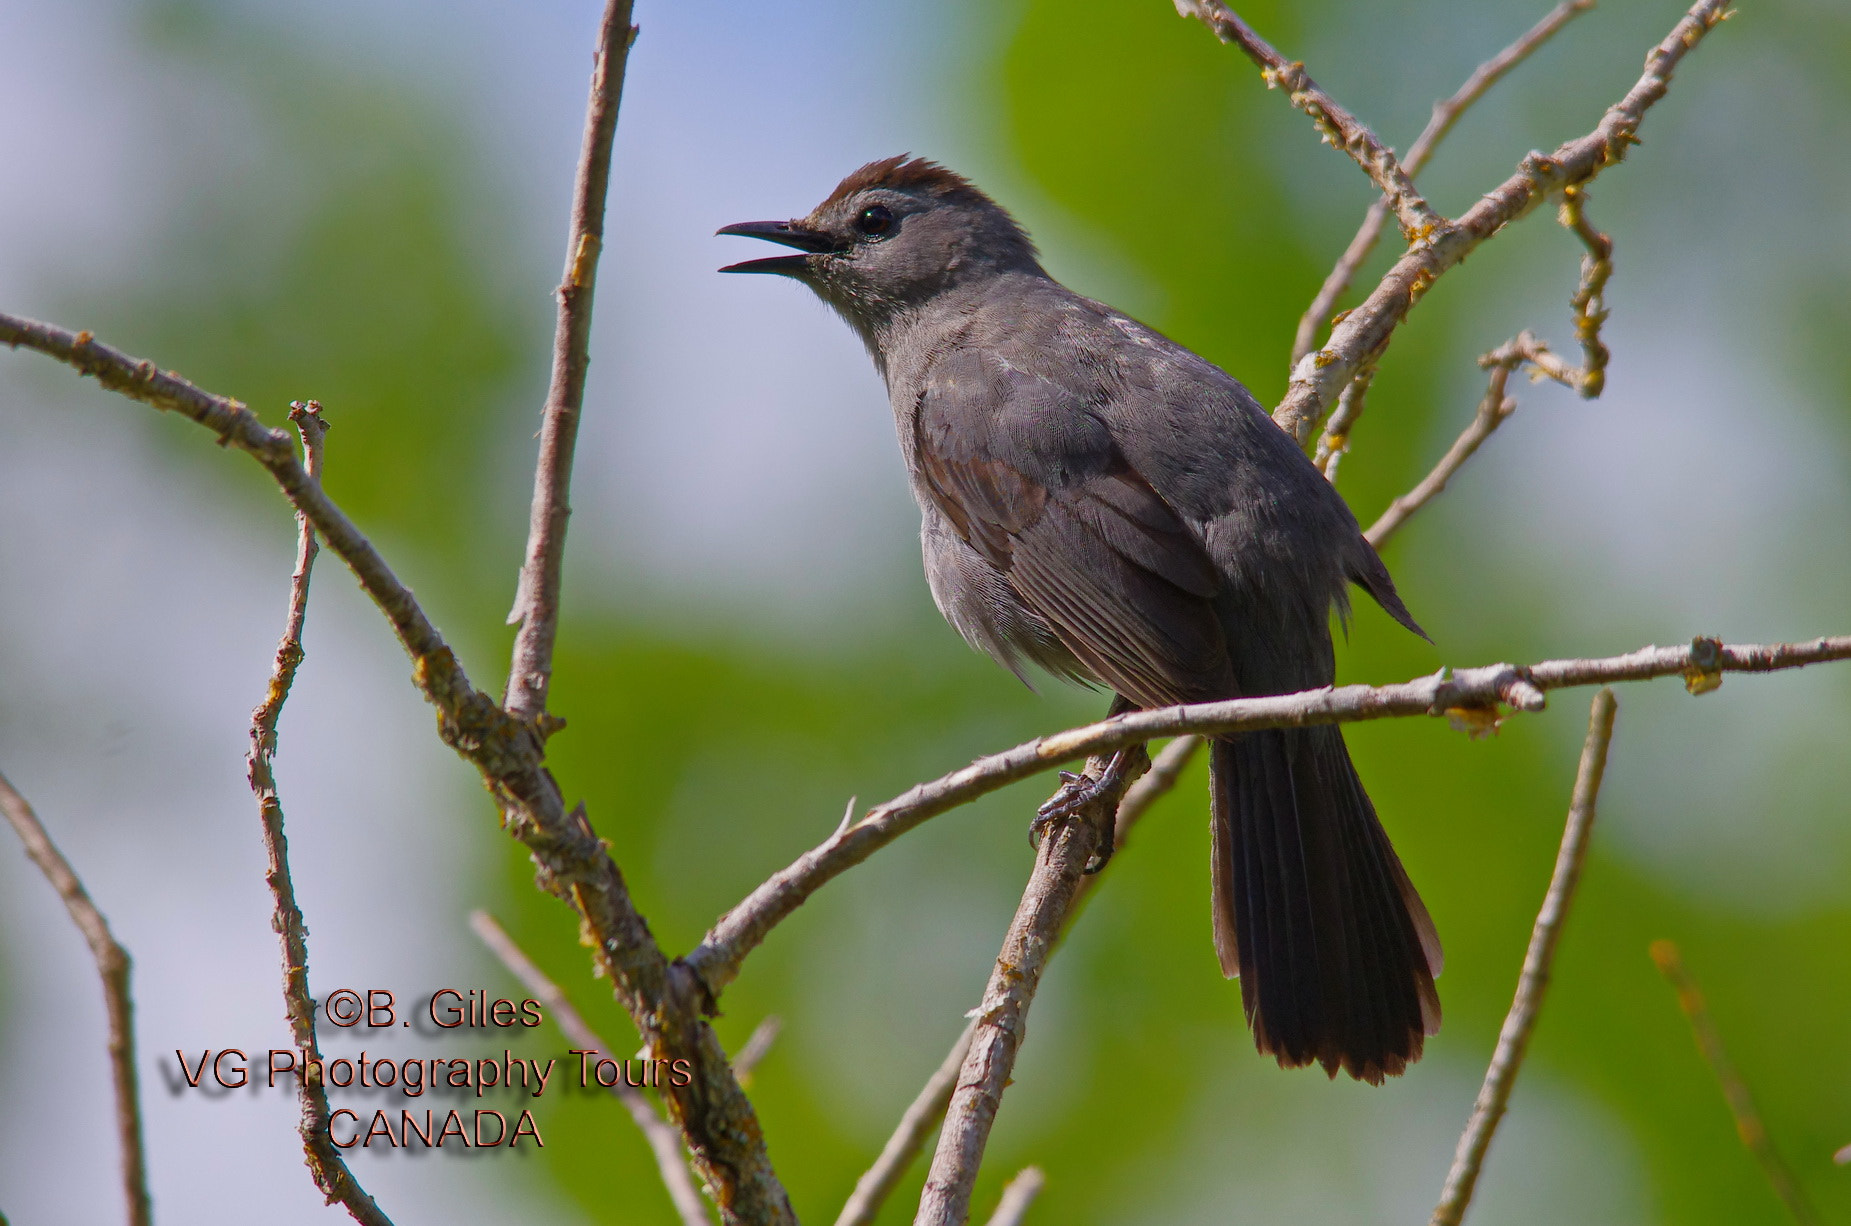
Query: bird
(1104, 504)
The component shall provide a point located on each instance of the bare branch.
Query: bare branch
(536, 600)
(1340, 128)
(1002, 1016)
(1360, 337)
(325, 1163)
(664, 1142)
(1588, 311)
(923, 1116)
(717, 959)
(1748, 1125)
(1018, 1196)
(1445, 115)
(1514, 1038)
(663, 1000)
(921, 1120)
(114, 968)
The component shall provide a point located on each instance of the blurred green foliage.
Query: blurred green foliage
(342, 265)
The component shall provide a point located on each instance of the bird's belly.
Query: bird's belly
(981, 605)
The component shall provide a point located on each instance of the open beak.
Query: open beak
(787, 233)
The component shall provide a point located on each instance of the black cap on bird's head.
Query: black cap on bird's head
(894, 233)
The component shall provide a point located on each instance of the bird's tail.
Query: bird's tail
(1335, 952)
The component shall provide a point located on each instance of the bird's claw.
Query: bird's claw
(1056, 807)
(1075, 794)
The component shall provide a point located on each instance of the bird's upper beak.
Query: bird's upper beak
(790, 234)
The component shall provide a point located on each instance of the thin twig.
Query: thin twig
(1533, 983)
(1522, 350)
(1334, 443)
(114, 968)
(1018, 1195)
(920, 1121)
(1748, 1125)
(717, 959)
(536, 599)
(1590, 302)
(325, 1163)
(1445, 115)
(872, 1190)
(1362, 334)
(663, 1140)
(757, 1044)
(1339, 127)
(1492, 410)
(1002, 1016)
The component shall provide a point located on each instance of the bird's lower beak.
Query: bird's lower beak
(785, 232)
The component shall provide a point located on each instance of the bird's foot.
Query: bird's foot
(1078, 794)
(1075, 791)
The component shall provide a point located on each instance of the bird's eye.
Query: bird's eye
(874, 221)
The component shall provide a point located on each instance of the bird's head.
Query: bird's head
(893, 236)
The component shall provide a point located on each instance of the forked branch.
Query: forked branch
(1361, 336)
(928, 1109)
(1587, 380)
(1002, 1016)
(1445, 115)
(1334, 442)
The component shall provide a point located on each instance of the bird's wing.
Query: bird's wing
(1034, 483)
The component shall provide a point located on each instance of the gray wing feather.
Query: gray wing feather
(1033, 482)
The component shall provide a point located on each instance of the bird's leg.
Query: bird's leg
(1093, 794)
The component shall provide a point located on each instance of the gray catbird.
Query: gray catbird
(1103, 503)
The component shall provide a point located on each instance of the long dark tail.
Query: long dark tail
(1335, 952)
